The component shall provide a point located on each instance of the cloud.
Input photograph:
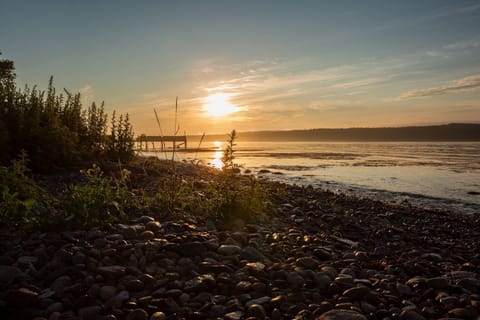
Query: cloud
(440, 13)
(467, 44)
(458, 86)
(360, 82)
(264, 84)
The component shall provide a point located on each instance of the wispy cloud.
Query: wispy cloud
(458, 86)
(361, 82)
(467, 44)
(440, 13)
(448, 11)
(259, 83)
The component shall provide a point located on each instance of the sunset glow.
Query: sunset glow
(256, 65)
(219, 105)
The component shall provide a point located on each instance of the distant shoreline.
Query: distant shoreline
(457, 132)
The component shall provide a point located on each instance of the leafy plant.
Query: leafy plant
(54, 129)
(238, 197)
(101, 200)
(23, 203)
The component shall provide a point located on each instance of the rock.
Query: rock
(260, 301)
(54, 307)
(257, 311)
(158, 316)
(411, 315)
(356, 293)
(60, 284)
(235, 315)
(46, 293)
(470, 284)
(450, 302)
(437, 283)
(323, 254)
(307, 262)
(100, 243)
(144, 219)
(147, 234)
(154, 226)
(137, 314)
(8, 274)
(276, 314)
(107, 292)
(228, 249)
(277, 301)
(118, 300)
(295, 280)
(78, 258)
(252, 254)
(255, 267)
(89, 313)
(367, 307)
(190, 249)
(200, 283)
(217, 311)
(403, 289)
(330, 271)
(21, 297)
(463, 313)
(434, 257)
(243, 286)
(112, 271)
(341, 315)
(26, 261)
(134, 285)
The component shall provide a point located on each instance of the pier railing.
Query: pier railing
(147, 143)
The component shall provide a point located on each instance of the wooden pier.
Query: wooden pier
(147, 143)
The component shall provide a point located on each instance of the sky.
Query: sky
(254, 65)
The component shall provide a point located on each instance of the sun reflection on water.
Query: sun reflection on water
(217, 156)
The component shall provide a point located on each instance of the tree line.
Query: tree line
(54, 129)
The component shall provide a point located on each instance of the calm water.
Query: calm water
(433, 174)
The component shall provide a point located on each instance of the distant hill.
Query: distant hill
(448, 132)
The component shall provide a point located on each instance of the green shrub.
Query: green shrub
(23, 203)
(237, 196)
(100, 201)
(54, 129)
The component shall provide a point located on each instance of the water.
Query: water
(437, 175)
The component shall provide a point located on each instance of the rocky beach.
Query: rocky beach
(320, 255)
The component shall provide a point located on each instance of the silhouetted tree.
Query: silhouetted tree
(53, 128)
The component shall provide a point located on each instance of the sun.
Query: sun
(218, 105)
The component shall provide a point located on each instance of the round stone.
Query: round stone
(137, 314)
(341, 315)
(107, 292)
(158, 316)
(257, 311)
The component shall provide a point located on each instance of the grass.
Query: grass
(107, 193)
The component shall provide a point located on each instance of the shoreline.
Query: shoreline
(321, 253)
(395, 197)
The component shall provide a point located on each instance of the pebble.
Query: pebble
(410, 315)
(107, 292)
(357, 293)
(137, 314)
(290, 267)
(257, 311)
(229, 249)
(89, 313)
(341, 315)
(235, 315)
